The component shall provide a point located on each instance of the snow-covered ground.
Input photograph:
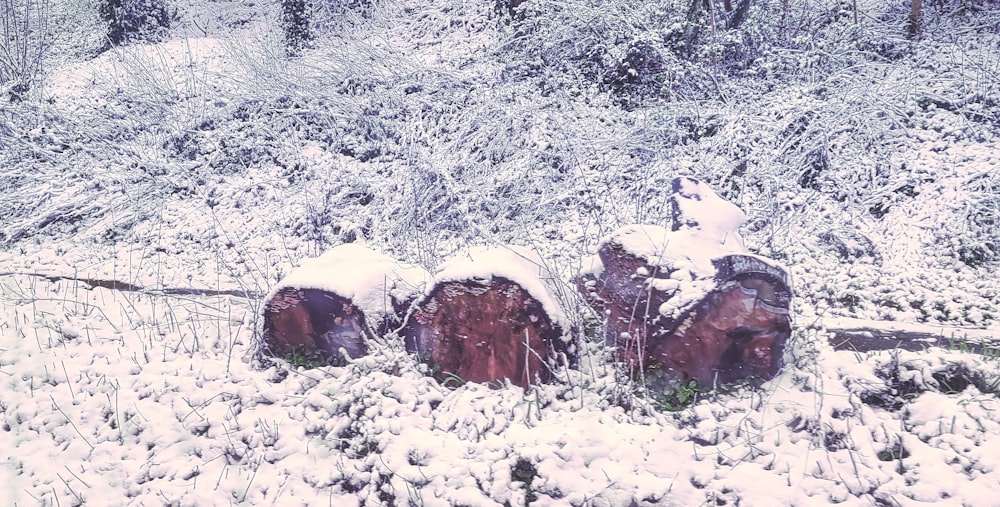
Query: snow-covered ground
(154, 194)
(124, 398)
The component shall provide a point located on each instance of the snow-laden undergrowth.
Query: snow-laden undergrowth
(210, 162)
(863, 159)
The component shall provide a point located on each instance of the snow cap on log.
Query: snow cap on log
(678, 263)
(695, 206)
(516, 263)
(332, 304)
(371, 280)
(704, 227)
(489, 316)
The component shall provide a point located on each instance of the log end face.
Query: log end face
(485, 331)
(731, 335)
(313, 326)
(287, 326)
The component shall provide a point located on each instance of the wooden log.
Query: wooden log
(870, 336)
(490, 317)
(327, 310)
(314, 326)
(738, 331)
(690, 303)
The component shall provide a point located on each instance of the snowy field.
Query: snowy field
(154, 193)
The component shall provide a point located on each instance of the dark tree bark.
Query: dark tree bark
(916, 8)
(693, 28)
(735, 16)
(739, 15)
(513, 8)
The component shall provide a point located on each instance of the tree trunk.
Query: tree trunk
(915, 14)
(738, 16)
(693, 28)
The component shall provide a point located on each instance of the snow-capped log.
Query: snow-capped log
(489, 316)
(330, 306)
(690, 303)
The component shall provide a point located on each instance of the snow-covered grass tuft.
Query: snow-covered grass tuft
(24, 37)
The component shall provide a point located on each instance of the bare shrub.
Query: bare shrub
(23, 42)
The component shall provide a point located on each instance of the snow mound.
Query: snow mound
(684, 249)
(685, 254)
(698, 207)
(370, 279)
(705, 227)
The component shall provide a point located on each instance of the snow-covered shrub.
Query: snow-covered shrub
(979, 240)
(613, 44)
(295, 22)
(730, 42)
(638, 73)
(305, 21)
(24, 40)
(651, 49)
(129, 20)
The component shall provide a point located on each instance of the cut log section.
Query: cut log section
(737, 332)
(690, 303)
(325, 311)
(314, 326)
(489, 317)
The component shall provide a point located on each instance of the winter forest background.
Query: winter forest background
(164, 163)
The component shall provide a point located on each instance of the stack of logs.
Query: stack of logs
(688, 303)
(486, 316)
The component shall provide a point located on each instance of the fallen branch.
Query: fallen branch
(129, 287)
(869, 336)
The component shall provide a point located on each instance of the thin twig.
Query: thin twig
(71, 423)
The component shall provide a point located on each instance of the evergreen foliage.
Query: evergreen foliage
(130, 20)
(295, 22)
